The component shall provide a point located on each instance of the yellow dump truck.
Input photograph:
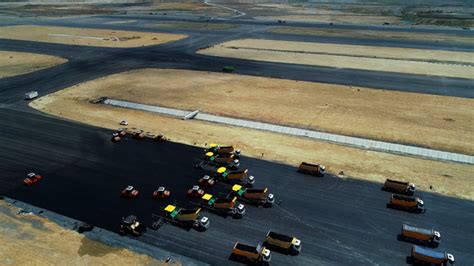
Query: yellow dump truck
(406, 203)
(253, 196)
(312, 169)
(217, 149)
(223, 206)
(286, 243)
(428, 237)
(225, 160)
(426, 256)
(399, 187)
(186, 218)
(251, 254)
(235, 177)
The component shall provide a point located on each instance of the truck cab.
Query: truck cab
(288, 243)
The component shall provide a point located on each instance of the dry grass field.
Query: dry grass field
(17, 63)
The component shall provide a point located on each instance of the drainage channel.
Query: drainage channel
(317, 135)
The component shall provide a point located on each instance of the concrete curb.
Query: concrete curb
(367, 144)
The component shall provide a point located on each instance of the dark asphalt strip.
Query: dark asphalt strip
(340, 221)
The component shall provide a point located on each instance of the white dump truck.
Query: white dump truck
(31, 95)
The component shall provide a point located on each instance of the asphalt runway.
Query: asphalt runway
(340, 221)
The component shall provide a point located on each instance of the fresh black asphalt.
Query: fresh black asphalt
(340, 221)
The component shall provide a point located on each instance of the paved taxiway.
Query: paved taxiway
(340, 221)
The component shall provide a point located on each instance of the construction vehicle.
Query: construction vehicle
(407, 203)
(195, 192)
(130, 192)
(228, 69)
(115, 137)
(131, 225)
(160, 138)
(225, 160)
(31, 95)
(185, 218)
(121, 132)
(428, 237)
(124, 123)
(235, 177)
(31, 178)
(253, 196)
(426, 256)
(161, 193)
(251, 254)
(207, 181)
(283, 242)
(312, 169)
(399, 187)
(138, 135)
(223, 206)
(215, 148)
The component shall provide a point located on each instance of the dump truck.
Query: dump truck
(426, 256)
(289, 244)
(428, 237)
(399, 187)
(223, 206)
(251, 254)
(235, 177)
(312, 169)
(407, 203)
(186, 218)
(225, 160)
(217, 149)
(131, 225)
(253, 196)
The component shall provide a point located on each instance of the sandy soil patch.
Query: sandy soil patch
(194, 25)
(87, 37)
(374, 34)
(447, 178)
(401, 60)
(445, 123)
(16, 63)
(33, 240)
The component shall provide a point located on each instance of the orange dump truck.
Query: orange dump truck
(223, 206)
(428, 237)
(399, 187)
(283, 242)
(312, 169)
(251, 254)
(426, 256)
(225, 160)
(235, 177)
(254, 196)
(407, 203)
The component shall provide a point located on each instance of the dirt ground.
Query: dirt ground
(373, 34)
(26, 239)
(447, 178)
(16, 63)
(87, 37)
(400, 60)
(193, 25)
(438, 122)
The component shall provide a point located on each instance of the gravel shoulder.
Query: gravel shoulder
(87, 37)
(400, 60)
(17, 63)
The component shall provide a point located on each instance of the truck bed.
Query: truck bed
(246, 248)
(280, 237)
